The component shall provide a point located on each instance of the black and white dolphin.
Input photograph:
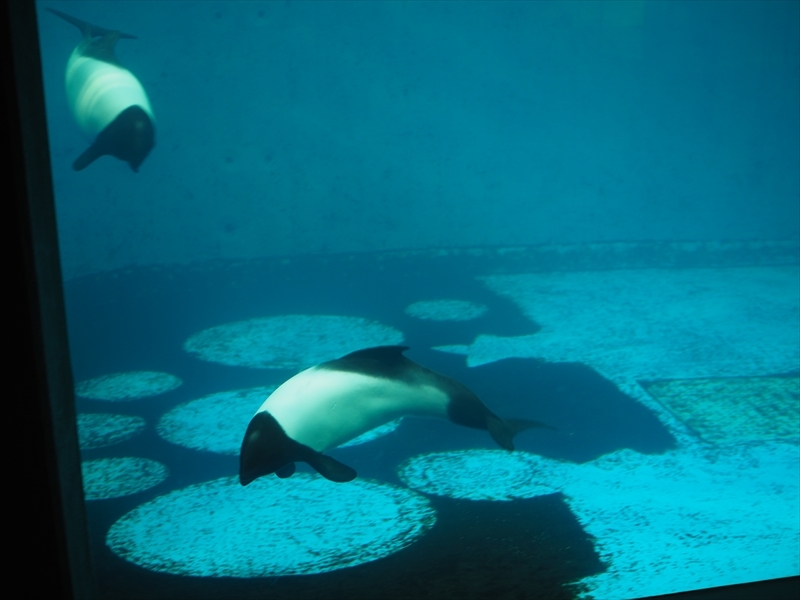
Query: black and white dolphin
(334, 402)
(107, 101)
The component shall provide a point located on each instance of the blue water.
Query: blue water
(299, 143)
(290, 128)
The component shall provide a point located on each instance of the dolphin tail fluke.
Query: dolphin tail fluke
(88, 29)
(503, 431)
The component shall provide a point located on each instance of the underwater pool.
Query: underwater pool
(581, 216)
(674, 454)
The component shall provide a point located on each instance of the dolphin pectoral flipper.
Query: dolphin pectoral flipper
(330, 468)
(504, 430)
(286, 471)
(91, 154)
(87, 28)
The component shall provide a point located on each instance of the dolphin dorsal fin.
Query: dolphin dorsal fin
(381, 361)
(380, 353)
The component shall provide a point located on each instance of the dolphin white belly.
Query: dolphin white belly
(98, 91)
(323, 408)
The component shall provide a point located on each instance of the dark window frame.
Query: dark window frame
(51, 553)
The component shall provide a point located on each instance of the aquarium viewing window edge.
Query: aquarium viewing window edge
(54, 463)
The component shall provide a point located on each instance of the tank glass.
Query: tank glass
(581, 218)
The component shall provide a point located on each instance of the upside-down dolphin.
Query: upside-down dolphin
(106, 99)
(334, 402)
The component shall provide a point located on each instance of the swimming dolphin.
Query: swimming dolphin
(334, 402)
(106, 99)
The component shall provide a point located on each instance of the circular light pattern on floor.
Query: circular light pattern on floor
(373, 434)
(483, 474)
(96, 430)
(288, 341)
(215, 423)
(114, 477)
(295, 526)
(446, 310)
(127, 386)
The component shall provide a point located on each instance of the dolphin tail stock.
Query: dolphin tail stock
(88, 29)
(504, 430)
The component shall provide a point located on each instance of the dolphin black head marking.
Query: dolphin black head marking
(129, 137)
(267, 449)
